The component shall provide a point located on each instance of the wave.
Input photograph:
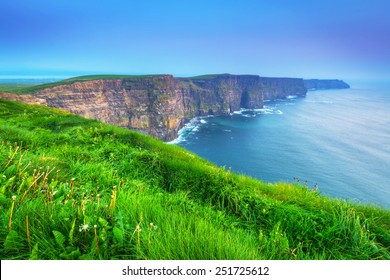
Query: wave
(189, 128)
(254, 112)
(194, 124)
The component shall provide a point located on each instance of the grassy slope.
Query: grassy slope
(30, 89)
(62, 170)
(25, 89)
(207, 76)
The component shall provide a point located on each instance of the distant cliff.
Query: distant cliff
(315, 84)
(161, 105)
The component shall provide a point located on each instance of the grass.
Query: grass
(30, 89)
(72, 188)
(15, 88)
(207, 76)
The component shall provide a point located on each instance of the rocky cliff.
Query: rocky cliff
(161, 105)
(314, 84)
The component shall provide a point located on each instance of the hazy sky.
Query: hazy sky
(320, 39)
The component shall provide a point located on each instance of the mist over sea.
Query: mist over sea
(29, 80)
(338, 139)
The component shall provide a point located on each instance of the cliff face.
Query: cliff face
(150, 105)
(26, 98)
(160, 105)
(315, 84)
(222, 94)
(279, 88)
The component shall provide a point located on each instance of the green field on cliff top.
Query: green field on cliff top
(26, 89)
(72, 188)
(29, 89)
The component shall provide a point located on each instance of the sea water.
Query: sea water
(337, 140)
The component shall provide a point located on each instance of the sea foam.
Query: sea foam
(191, 127)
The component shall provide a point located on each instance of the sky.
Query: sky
(343, 39)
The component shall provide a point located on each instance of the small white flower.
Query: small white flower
(13, 197)
(95, 226)
(84, 227)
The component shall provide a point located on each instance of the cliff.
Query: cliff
(160, 105)
(314, 84)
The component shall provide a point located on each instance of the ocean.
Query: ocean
(337, 140)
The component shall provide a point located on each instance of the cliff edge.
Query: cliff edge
(160, 105)
(316, 84)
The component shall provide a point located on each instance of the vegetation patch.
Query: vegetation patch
(30, 89)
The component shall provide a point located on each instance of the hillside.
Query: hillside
(31, 89)
(73, 188)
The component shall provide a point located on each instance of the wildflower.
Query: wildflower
(96, 238)
(11, 213)
(84, 227)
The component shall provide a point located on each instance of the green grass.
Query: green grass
(207, 76)
(150, 200)
(15, 88)
(29, 89)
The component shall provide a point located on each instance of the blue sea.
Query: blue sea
(336, 139)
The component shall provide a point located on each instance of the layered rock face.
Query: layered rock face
(315, 84)
(152, 106)
(161, 105)
(221, 94)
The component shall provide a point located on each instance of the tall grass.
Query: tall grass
(72, 188)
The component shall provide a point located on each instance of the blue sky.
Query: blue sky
(310, 39)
